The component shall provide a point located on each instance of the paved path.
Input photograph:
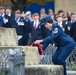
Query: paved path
(71, 72)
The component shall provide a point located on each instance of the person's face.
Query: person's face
(23, 15)
(18, 15)
(68, 13)
(52, 16)
(29, 16)
(36, 17)
(59, 19)
(2, 11)
(48, 25)
(73, 17)
(50, 11)
(42, 11)
(8, 11)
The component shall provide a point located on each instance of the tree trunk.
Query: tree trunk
(19, 5)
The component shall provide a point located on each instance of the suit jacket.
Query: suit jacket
(36, 34)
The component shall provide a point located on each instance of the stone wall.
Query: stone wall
(65, 5)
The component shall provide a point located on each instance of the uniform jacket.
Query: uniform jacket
(58, 36)
(68, 27)
(6, 20)
(1, 21)
(20, 29)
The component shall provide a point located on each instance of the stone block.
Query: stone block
(31, 57)
(44, 70)
(8, 37)
(31, 53)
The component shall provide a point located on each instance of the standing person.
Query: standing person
(2, 11)
(52, 16)
(65, 42)
(35, 29)
(61, 23)
(29, 15)
(42, 13)
(8, 15)
(68, 13)
(1, 18)
(1, 21)
(73, 31)
(50, 11)
(70, 23)
(18, 23)
(26, 34)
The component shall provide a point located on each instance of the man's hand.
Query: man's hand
(38, 41)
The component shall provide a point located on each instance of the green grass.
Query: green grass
(2, 73)
(72, 66)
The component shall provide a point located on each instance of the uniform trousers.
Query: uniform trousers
(61, 54)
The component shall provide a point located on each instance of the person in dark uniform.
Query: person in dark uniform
(70, 23)
(65, 44)
(1, 21)
(27, 24)
(2, 13)
(8, 15)
(18, 23)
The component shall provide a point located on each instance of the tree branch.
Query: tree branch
(13, 2)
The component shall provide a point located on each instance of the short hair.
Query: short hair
(73, 14)
(2, 7)
(35, 14)
(17, 12)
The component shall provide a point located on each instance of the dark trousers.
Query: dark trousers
(61, 54)
(20, 42)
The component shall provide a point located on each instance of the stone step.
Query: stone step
(44, 70)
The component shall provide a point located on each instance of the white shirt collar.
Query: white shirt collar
(3, 14)
(36, 22)
(60, 24)
(9, 14)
